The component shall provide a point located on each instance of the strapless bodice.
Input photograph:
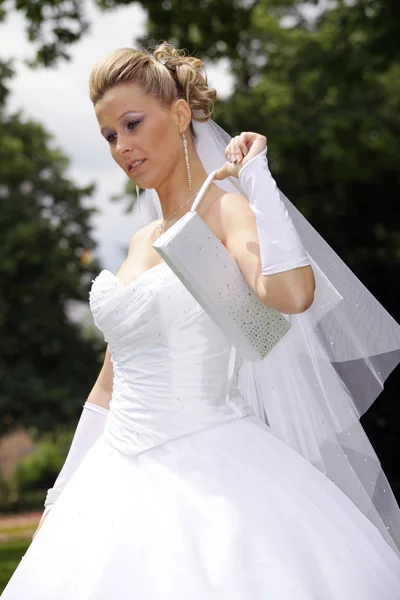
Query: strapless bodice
(175, 372)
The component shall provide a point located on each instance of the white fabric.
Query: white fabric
(90, 427)
(280, 245)
(187, 496)
(312, 389)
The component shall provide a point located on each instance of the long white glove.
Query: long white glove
(280, 245)
(89, 428)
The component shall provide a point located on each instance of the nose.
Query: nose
(124, 145)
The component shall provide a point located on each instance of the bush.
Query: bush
(35, 473)
(28, 501)
(39, 469)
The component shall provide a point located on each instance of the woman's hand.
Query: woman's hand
(239, 151)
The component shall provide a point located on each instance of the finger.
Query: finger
(240, 148)
(243, 143)
(229, 148)
(237, 152)
(231, 154)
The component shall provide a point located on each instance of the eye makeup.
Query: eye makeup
(130, 117)
(129, 121)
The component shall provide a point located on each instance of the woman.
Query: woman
(172, 488)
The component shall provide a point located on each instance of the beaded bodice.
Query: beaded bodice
(174, 370)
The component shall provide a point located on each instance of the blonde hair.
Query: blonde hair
(166, 73)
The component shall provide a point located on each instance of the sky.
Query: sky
(58, 98)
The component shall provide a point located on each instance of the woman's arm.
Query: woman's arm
(289, 292)
(102, 389)
(259, 232)
(89, 428)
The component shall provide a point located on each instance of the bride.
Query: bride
(192, 476)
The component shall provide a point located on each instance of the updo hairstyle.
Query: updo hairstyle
(166, 73)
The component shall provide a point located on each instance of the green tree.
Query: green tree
(47, 366)
(220, 28)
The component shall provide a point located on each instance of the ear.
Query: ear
(182, 114)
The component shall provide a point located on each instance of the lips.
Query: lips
(134, 164)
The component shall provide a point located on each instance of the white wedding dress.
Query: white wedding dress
(186, 495)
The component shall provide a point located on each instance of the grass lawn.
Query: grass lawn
(11, 553)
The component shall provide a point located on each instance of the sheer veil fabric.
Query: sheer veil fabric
(312, 389)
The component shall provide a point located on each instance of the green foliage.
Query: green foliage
(28, 501)
(55, 24)
(36, 472)
(11, 554)
(47, 365)
(40, 469)
(6, 73)
(219, 28)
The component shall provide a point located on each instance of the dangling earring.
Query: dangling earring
(185, 146)
(138, 196)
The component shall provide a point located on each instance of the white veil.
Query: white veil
(327, 371)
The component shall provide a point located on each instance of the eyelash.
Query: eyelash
(111, 138)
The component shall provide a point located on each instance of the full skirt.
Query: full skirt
(230, 513)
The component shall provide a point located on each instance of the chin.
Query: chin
(143, 182)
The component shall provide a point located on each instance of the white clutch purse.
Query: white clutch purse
(213, 277)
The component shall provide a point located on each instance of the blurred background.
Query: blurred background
(321, 79)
